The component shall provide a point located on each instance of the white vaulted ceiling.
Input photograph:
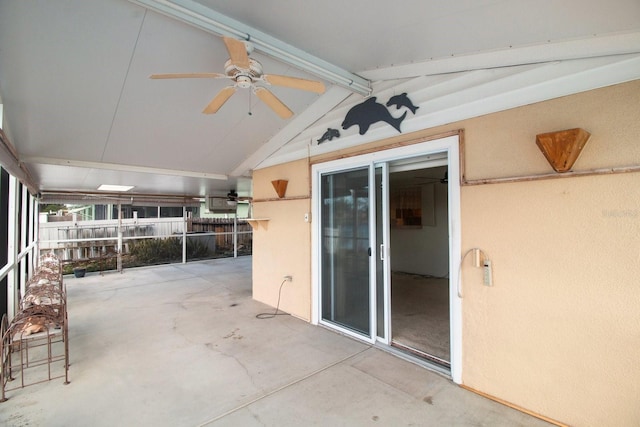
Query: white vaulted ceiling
(81, 111)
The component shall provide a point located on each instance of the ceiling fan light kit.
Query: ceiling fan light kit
(245, 72)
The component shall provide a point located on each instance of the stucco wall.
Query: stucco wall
(282, 245)
(559, 332)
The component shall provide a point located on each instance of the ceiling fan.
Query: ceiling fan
(245, 72)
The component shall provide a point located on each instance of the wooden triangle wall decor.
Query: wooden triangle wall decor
(280, 185)
(562, 148)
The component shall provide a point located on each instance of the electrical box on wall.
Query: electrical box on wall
(487, 273)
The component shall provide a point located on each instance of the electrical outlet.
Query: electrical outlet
(487, 273)
(288, 278)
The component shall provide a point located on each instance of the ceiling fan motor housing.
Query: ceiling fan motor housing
(243, 81)
(244, 78)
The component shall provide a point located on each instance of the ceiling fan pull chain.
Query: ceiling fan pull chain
(250, 102)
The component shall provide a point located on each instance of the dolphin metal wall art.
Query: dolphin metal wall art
(369, 112)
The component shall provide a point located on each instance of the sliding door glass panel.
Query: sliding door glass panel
(345, 250)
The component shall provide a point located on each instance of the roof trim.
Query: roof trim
(597, 46)
(452, 98)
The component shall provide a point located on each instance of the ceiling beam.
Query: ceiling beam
(84, 198)
(9, 161)
(122, 168)
(209, 20)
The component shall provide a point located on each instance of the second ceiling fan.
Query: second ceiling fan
(245, 72)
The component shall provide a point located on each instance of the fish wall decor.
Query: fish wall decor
(329, 135)
(402, 100)
(369, 112)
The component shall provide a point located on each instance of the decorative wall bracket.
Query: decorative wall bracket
(255, 223)
(562, 148)
(280, 185)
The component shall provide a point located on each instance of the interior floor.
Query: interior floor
(420, 314)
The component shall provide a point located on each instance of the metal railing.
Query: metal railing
(144, 241)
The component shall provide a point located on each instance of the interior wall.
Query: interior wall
(559, 332)
(424, 250)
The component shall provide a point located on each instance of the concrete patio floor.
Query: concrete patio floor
(179, 345)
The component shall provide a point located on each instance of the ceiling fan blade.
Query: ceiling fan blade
(273, 102)
(295, 83)
(219, 100)
(188, 76)
(237, 52)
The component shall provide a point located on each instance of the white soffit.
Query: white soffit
(597, 46)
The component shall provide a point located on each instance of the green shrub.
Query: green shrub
(196, 249)
(156, 251)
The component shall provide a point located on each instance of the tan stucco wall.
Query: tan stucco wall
(559, 332)
(284, 246)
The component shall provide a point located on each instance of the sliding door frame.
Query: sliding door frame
(448, 145)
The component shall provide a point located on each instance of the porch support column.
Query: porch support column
(235, 236)
(12, 248)
(184, 234)
(119, 249)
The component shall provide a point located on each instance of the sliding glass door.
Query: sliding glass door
(345, 250)
(355, 204)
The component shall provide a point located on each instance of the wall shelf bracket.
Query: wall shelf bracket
(258, 222)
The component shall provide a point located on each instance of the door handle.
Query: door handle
(382, 252)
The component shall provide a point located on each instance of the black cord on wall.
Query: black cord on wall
(274, 314)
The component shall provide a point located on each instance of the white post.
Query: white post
(12, 248)
(34, 219)
(119, 250)
(235, 235)
(24, 241)
(184, 234)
